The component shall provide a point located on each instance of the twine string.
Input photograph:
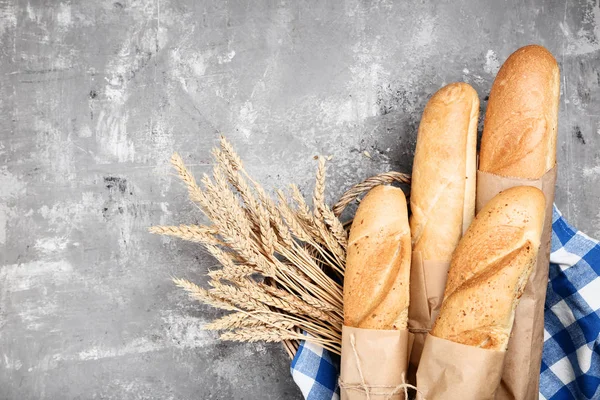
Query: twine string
(368, 390)
(419, 330)
(359, 189)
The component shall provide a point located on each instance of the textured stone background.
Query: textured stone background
(96, 95)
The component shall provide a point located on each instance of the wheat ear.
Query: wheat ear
(204, 296)
(192, 233)
(248, 320)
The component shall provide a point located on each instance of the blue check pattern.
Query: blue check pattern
(315, 371)
(571, 358)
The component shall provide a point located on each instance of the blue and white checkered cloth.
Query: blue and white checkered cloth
(571, 359)
(315, 371)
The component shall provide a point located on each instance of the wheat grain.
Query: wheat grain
(298, 306)
(237, 272)
(319, 192)
(291, 220)
(302, 233)
(231, 155)
(204, 296)
(239, 183)
(230, 211)
(261, 334)
(252, 234)
(234, 228)
(299, 199)
(192, 233)
(194, 191)
(337, 228)
(320, 304)
(237, 296)
(256, 213)
(280, 299)
(229, 321)
(277, 223)
(220, 255)
(253, 290)
(330, 241)
(247, 320)
(266, 233)
(270, 335)
(216, 274)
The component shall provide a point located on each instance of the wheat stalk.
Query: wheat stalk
(252, 235)
(255, 212)
(204, 296)
(319, 192)
(247, 320)
(230, 153)
(337, 228)
(301, 306)
(237, 296)
(301, 229)
(260, 334)
(192, 233)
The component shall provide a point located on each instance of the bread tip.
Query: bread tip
(536, 51)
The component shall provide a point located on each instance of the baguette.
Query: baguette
(490, 268)
(521, 122)
(376, 282)
(442, 198)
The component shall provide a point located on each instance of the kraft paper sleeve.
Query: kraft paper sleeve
(520, 378)
(451, 371)
(427, 285)
(378, 356)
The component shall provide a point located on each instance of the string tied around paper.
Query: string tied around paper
(388, 391)
(419, 330)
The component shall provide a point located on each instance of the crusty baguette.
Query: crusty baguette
(376, 282)
(490, 268)
(442, 199)
(521, 121)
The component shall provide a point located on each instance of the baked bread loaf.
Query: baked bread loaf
(490, 268)
(521, 121)
(376, 281)
(442, 197)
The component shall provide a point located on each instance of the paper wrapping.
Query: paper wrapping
(520, 378)
(427, 285)
(382, 358)
(450, 371)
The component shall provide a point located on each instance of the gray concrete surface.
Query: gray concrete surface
(96, 95)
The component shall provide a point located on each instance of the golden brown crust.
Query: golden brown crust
(443, 180)
(521, 121)
(376, 282)
(490, 268)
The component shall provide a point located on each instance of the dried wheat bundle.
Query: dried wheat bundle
(280, 261)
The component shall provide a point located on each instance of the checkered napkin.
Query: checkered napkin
(315, 371)
(571, 358)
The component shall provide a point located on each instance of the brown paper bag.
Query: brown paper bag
(427, 285)
(520, 378)
(373, 360)
(451, 371)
